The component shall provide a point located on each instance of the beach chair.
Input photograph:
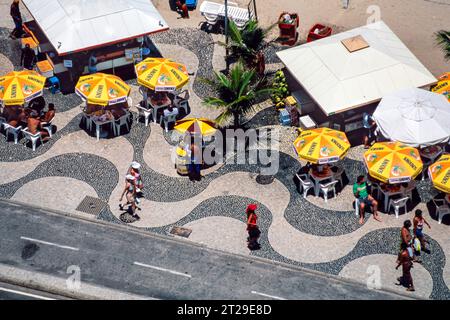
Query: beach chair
(213, 12)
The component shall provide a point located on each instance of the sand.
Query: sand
(414, 21)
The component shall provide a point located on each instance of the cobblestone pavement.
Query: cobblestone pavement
(304, 232)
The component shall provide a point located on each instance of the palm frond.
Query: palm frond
(443, 40)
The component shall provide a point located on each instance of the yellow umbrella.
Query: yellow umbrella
(443, 86)
(161, 74)
(440, 173)
(322, 145)
(19, 87)
(201, 126)
(393, 162)
(102, 89)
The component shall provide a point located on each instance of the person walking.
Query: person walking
(419, 221)
(27, 59)
(252, 228)
(130, 192)
(135, 168)
(404, 260)
(407, 239)
(17, 18)
(361, 193)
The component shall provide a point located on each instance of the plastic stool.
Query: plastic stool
(54, 85)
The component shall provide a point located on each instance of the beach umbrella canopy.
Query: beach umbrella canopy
(193, 126)
(415, 117)
(443, 86)
(19, 87)
(102, 89)
(393, 162)
(440, 173)
(160, 74)
(322, 145)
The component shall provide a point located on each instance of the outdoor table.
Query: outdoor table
(99, 124)
(167, 102)
(319, 179)
(391, 193)
(431, 153)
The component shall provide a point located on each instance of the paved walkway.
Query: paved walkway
(308, 233)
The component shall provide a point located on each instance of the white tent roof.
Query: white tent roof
(339, 80)
(77, 25)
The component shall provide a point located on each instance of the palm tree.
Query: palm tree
(443, 40)
(248, 44)
(237, 93)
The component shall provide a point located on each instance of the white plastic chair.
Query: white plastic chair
(305, 183)
(338, 175)
(168, 119)
(32, 137)
(122, 121)
(2, 121)
(326, 188)
(357, 206)
(442, 208)
(9, 129)
(48, 126)
(146, 113)
(397, 204)
(182, 102)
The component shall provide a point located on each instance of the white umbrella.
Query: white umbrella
(415, 117)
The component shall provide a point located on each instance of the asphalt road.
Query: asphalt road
(50, 244)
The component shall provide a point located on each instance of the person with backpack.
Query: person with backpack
(252, 227)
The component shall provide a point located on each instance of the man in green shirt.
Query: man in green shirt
(361, 193)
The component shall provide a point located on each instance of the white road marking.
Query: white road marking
(162, 269)
(50, 243)
(268, 295)
(25, 294)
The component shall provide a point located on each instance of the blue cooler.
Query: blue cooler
(191, 4)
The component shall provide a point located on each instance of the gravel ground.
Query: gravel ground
(200, 43)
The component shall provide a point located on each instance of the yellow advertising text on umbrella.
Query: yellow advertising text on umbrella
(19, 87)
(440, 173)
(443, 86)
(201, 126)
(102, 89)
(322, 145)
(161, 74)
(393, 162)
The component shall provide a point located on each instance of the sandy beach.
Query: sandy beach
(414, 21)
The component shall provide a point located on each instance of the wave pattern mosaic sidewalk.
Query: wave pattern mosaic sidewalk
(305, 232)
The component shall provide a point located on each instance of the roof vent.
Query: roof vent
(354, 44)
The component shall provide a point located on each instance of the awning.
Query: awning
(79, 25)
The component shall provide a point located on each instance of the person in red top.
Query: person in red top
(252, 227)
(405, 261)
